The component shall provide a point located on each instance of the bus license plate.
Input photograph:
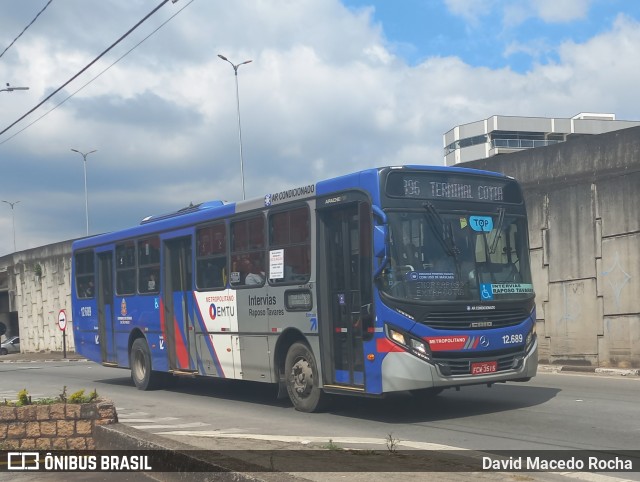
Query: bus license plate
(481, 368)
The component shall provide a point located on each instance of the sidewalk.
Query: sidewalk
(50, 356)
(625, 372)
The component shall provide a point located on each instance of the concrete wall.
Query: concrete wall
(583, 200)
(41, 281)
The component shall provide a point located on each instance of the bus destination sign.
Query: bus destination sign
(431, 185)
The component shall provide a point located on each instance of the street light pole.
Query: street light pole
(13, 216)
(86, 195)
(235, 70)
(11, 89)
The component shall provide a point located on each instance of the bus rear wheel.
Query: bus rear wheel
(140, 363)
(301, 371)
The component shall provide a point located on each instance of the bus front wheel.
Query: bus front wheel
(140, 362)
(302, 381)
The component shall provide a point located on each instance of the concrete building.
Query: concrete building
(35, 285)
(583, 202)
(503, 134)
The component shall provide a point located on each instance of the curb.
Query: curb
(619, 371)
(624, 372)
(46, 360)
(209, 465)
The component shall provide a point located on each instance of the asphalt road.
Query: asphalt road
(554, 411)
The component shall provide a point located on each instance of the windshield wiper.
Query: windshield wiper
(496, 236)
(490, 248)
(436, 223)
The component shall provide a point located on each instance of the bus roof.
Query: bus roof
(211, 210)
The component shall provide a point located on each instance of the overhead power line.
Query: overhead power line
(146, 17)
(94, 78)
(25, 29)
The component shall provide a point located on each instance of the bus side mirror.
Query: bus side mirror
(380, 241)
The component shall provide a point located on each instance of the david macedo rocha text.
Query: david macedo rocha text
(561, 463)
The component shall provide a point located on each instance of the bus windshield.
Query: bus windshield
(471, 257)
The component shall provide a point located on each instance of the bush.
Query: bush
(25, 399)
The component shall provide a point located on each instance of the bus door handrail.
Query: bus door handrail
(383, 220)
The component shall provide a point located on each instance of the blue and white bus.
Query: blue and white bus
(410, 278)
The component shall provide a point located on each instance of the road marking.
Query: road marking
(178, 426)
(146, 420)
(131, 414)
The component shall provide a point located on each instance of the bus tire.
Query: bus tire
(301, 375)
(140, 363)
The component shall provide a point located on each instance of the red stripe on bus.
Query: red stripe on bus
(181, 348)
(384, 345)
(162, 322)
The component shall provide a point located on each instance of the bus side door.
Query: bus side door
(177, 286)
(106, 327)
(347, 265)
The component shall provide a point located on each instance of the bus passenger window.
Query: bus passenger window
(211, 257)
(84, 270)
(211, 273)
(149, 280)
(247, 270)
(149, 265)
(126, 268)
(290, 232)
(247, 252)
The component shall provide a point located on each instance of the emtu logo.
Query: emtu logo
(212, 311)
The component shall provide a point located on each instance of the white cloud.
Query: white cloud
(471, 10)
(512, 14)
(555, 11)
(324, 96)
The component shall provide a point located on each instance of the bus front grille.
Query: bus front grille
(474, 320)
(451, 365)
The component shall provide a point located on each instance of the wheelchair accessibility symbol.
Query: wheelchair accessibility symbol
(486, 293)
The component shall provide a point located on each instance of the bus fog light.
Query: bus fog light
(420, 349)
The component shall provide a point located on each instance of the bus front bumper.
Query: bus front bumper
(404, 371)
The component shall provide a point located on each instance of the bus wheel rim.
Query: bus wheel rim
(302, 378)
(138, 366)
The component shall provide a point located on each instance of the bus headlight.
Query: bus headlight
(413, 345)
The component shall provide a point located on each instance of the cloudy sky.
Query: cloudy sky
(334, 86)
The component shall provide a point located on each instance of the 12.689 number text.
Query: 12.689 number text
(508, 339)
